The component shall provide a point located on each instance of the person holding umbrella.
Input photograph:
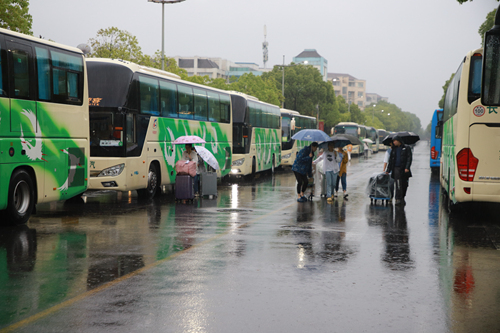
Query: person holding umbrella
(302, 168)
(331, 161)
(399, 167)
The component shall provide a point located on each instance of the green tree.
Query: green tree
(170, 64)
(262, 88)
(487, 25)
(117, 44)
(14, 16)
(306, 92)
(445, 88)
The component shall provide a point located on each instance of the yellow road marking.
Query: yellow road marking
(105, 286)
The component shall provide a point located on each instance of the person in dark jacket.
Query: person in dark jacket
(399, 168)
(302, 168)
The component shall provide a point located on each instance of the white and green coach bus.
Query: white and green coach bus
(291, 123)
(44, 127)
(137, 112)
(256, 135)
(470, 163)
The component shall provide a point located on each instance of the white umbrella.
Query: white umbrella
(368, 141)
(207, 156)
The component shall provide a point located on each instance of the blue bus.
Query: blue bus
(436, 134)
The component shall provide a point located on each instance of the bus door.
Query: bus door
(23, 110)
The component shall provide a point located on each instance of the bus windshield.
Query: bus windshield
(108, 84)
(352, 130)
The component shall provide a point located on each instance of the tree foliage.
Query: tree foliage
(487, 25)
(390, 117)
(116, 44)
(14, 16)
(306, 92)
(445, 88)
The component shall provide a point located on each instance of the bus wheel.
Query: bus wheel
(21, 198)
(152, 188)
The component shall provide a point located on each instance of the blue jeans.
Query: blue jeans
(331, 177)
(344, 182)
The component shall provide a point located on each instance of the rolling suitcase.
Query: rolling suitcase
(184, 187)
(379, 188)
(208, 182)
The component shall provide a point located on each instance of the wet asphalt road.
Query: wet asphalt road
(255, 260)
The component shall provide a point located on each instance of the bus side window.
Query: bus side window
(200, 104)
(168, 98)
(20, 59)
(185, 98)
(43, 68)
(149, 96)
(225, 108)
(67, 78)
(213, 106)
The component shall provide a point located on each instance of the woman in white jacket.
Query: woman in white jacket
(331, 160)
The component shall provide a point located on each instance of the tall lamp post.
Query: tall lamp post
(163, 2)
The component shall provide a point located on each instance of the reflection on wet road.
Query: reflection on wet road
(253, 259)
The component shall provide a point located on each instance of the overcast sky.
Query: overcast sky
(404, 49)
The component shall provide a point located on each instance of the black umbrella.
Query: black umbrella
(408, 138)
(354, 140)
(340, 141)
(388, 139)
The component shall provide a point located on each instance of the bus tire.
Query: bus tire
(153, 184)
(21, 201)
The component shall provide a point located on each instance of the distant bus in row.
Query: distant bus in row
(137, 112)
(361, 132)
(291, 123)
(435, 143)
(256, 135)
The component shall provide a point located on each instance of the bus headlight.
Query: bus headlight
(239, 162)
(287, 156)
(113, 171)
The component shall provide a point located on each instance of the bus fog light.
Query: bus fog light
(112, 171)
(235, 171)
(109, 184)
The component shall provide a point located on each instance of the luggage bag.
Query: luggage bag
(379, 188)
(208, 182)
(184, 187)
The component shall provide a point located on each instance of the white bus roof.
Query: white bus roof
(348, 123)
(40, 40)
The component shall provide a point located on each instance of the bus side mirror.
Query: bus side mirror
(292, 124)
(490, 87)
(331, 131)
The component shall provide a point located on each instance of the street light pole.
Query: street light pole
(163, 2)
(283, 85)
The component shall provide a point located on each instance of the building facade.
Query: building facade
(352, 89)
(372, 98)
(314, 59)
